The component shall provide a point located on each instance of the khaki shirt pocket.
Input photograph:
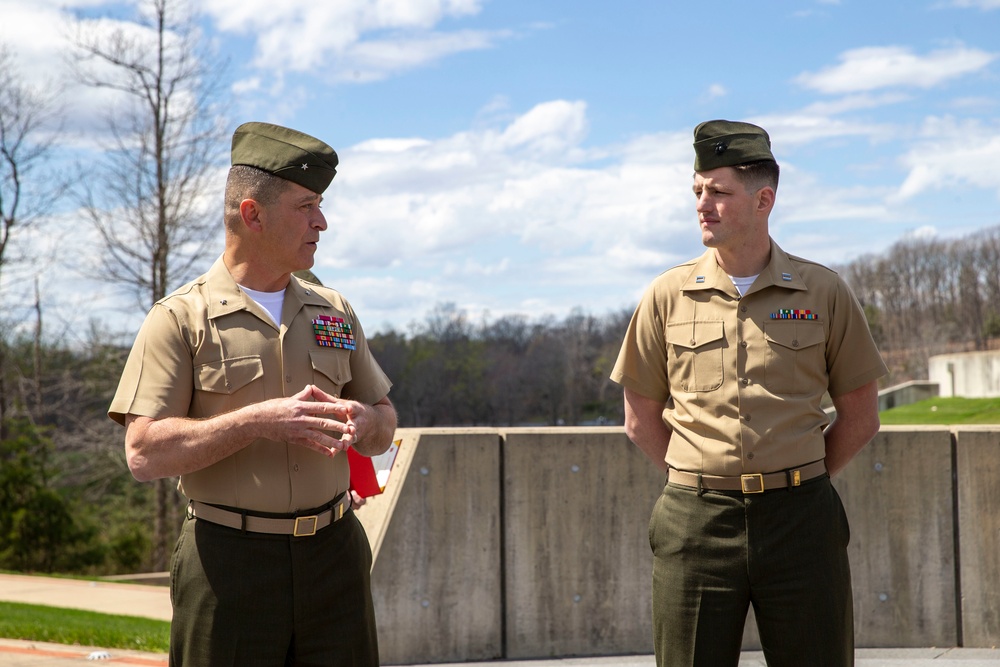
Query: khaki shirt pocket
(796, 356)
(694, 354)
(227, 384)
(331, 370)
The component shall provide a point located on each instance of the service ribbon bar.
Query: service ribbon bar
(789, 314)
(333, 332)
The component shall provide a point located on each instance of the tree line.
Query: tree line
(927, 296)
(67, 501)
(69, 504)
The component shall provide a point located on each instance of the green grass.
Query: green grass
(85, 628)
(944, 411)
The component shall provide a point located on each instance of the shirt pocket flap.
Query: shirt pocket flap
(228, 375)
(692, 335)
(336, 366)
(794, 335)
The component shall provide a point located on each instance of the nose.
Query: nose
(319, 221)
(702, 204)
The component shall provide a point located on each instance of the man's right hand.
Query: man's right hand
(304, 419)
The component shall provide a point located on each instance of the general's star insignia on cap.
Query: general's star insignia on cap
(286, 153)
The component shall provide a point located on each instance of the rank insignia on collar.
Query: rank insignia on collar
(333, 332)
(789, 314)
(787, 277)
(699, 279)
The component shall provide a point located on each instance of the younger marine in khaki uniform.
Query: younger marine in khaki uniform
(249, 383)
(724, 367)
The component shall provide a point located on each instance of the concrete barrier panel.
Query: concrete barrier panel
(579, 567)
(898, 497)
(437, 580)
(978, 477)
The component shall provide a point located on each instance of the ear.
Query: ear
(765, 199)
(250, 213)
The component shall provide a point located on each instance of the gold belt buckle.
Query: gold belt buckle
(308, 526)
(755, 480)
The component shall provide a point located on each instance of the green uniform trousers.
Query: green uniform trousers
(783, 551)
(255, 600)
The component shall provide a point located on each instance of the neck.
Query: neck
(747, 261)
(254, 275)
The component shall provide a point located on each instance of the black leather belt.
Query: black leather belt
(297, 526)
(751, 483)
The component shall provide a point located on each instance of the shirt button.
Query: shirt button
(692, 342)
(746, 418)
(743, 309)
(795, 343)
(288, 378)
(750, 455)
(743, 343)
(295, 467)
(745, 381)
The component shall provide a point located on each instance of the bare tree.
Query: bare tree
(145, 198)
(28, 118)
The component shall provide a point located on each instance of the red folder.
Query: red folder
(369, 475)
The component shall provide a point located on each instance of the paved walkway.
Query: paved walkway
(154, 602)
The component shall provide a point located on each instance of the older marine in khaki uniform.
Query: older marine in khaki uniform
(249, 383)
(724, 367)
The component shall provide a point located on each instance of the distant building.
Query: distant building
(966, 374)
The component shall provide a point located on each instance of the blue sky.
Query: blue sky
(516, 156)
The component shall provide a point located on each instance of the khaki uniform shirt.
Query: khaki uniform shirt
(208, 349)
(743, 378)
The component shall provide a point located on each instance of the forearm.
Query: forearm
(645, 427)
(652, 441)
(378, 430)
(843, 443)
(855, 424)
(177, 445)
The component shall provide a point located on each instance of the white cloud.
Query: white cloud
(377, 59)
(39, 51)
(514, 206)
(549, 127)
(330, 37)
(951, 154)
(714, 92)
(808, 126)
(873, 68)
(980, 4)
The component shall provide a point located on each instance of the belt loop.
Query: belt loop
(788, 479)
(243, 521)
(701, 489)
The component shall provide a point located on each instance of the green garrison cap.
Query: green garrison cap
(290, 154)
(725, 143)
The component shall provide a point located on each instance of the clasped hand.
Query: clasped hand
(305, 418)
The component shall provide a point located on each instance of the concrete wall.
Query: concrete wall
(967, 374)
(523, 543)
(906, 393)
